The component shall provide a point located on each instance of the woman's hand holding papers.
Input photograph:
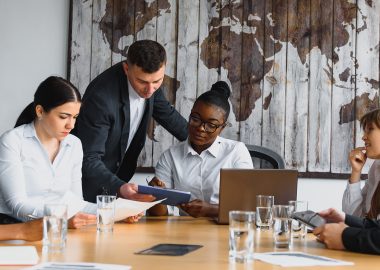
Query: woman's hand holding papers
(199, 208)
(133, 219)
(80, 220)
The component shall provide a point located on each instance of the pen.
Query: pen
(146, 179)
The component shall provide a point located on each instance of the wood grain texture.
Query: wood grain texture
(167, 36)
(302, 72)
(81, 27)
(343, 91)
(297, 84)
(319, 137)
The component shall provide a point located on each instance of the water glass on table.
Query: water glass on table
(105, 216)
(54, 228)
(264, 205)
(298, 229)
(241, 229)
(282, 225)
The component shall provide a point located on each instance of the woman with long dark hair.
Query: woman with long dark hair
(40, 161)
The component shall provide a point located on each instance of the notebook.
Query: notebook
(239, 187)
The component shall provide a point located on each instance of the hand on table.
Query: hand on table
(133, 219)
(80, 220)
(331, 235)
(199, 208)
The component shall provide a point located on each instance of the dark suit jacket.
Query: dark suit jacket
(363, 235)
(103, 127)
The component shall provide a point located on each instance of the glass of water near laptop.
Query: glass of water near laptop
(241, 240)
(299, 229)
(282, 225)
(264, 205)
(105, 215)
(54, 228)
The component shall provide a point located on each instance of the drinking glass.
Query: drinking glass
(298, 229)
(241, 230)
(264, 205)
(282, 225)
(105, 216)
(54, 228)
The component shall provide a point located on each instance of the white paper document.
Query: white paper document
(78, 266)
(291, 259)
(18, 255)
(126, 208)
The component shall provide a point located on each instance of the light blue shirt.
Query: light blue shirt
(182, 168)
(28, 179)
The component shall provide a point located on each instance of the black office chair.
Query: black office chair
(271, 159)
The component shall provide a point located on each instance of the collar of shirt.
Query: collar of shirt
(133, 96)
(30, 132)
(213, 150)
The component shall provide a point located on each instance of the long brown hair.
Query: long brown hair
(373, 118)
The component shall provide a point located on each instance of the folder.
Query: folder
(173, 196)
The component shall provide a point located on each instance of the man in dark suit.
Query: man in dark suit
(113, 120)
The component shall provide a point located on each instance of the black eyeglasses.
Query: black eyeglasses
(207, 126)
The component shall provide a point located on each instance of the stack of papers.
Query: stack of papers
(18, 255)
(126, 208)
(289, 259)
(78, 266)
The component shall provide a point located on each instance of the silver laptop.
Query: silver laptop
(239, 187)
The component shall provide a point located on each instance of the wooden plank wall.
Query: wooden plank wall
(303, 72)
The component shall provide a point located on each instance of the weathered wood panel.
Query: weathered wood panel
(297, 82)
(319, 140)
(100, 53)
(343, 90)
(187, 55)
(302, 71)
(166, 26)
(230, 59)
(209, 45)
(252, 73)
(367, 71)
(146, 28)
(274, 103)
(81, 26)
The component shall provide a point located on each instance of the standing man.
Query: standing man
(112, 123)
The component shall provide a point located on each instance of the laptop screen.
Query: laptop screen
(239, 187)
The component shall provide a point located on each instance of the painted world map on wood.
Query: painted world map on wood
(302, 72)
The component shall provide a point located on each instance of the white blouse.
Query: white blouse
(28, 179)
(182, 168)
(357, 201)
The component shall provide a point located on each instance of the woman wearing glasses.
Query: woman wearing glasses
(194, 165)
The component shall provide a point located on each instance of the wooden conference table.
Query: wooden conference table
(85, 245)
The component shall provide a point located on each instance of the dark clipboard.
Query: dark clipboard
(173, 197)
(169, 249)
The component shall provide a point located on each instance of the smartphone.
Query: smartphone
(309, 218)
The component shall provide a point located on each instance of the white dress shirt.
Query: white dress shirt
(182, 168)
(357, 201)
(136, 109)
(28, 179)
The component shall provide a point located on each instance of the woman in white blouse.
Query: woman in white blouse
(40, 161)
(365, 202)
(194, 165)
